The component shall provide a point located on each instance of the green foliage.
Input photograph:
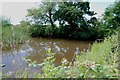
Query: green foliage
(24, 24)
(111, 15)
(110, 21)
(73, 24)
(40, 30)
(43, 14)
(74, 14)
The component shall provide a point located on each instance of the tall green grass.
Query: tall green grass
(13, 36)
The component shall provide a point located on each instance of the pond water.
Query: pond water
(35, 49)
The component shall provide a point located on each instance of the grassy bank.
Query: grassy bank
(13, 36)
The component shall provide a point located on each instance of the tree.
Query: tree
(42, 15)
(71, 15)
(74, 13)
(111, 19)
(78, 20)
(112, 16)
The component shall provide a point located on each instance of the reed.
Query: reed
(13, 36)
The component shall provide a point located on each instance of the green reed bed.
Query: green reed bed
(13, 36)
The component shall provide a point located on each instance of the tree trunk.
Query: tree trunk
(52, 23)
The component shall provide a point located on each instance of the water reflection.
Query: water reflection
(61, 48)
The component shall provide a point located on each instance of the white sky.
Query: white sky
(17, 11)
(99, 7)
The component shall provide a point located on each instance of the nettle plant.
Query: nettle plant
(48, 67)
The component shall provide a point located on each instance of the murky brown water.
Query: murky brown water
(36, 48)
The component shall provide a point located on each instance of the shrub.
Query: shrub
(40, 31)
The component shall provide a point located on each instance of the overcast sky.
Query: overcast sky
(17, 11)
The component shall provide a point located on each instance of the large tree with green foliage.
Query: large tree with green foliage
(76, 15)
(43, 15)
(75, 18)
(111, 20)
(112, 15)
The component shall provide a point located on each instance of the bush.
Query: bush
(40, 31)
(62, 32)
